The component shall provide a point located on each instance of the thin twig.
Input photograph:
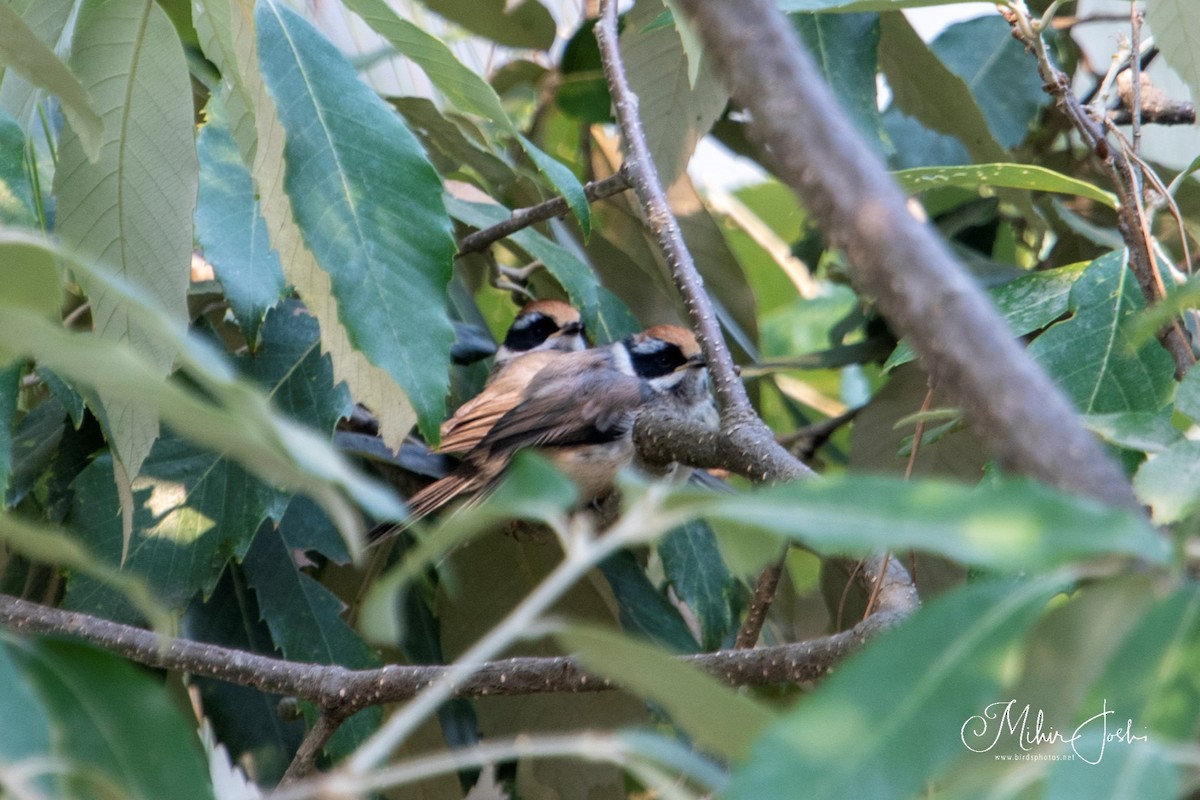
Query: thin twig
(760, 604)
(524, 217)
(1135, 69)
(305, 761)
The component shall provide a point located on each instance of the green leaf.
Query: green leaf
(643, 610)
(227, 36)
(369, 205)
(1012, 525)
(846, 49)
(676, 112)
(48, 20)
(462, 86)
(1135, 430)
(1187, 395)
(999, 72)
(1029, 303)
(1010, 176)
(108, 715)
(306, 624)
(16, 194)
(1145, 324)
(132, 207)
(789, 6)
(583, 92)
(1170, 482)
(526, 25)
(1134, 769)
(564, 181)
(886, 721)
(1090, 354)
(923, 87)
(22, 50)
(719, 718)
(693, 564)
(231, 230)
(607, 319)
(1177, 33)
(30, 279)
(27, 729)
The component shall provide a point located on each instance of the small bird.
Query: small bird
(543, 326)
(578, 409)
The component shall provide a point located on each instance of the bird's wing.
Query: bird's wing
(474, 418)
(566, 405)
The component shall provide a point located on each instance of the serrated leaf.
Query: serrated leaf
(132, 207)
(999, 72)
(675, 111)
(227, 36)
(606, 317)
(643, 610)
(1013, 525)
(1170, 482)
(306, 624)
(1028, 303)
(692, 563)
(108, 716)
(846, 47)
(230, 229)
(1177, 33)
(720, 720)
(1011, 176)
(16, 194)
(924, 88)
(853, 738)
(1090, 354)
(368, 204)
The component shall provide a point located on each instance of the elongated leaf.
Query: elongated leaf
(1090, 354)
(1016, 526)
(306, 624)
(676, 112)
(1177, 33)
(1136, 430)
(27, 733)
(642, 609)
(369, 205)
(887, 720)
(606, 317)
(21, 49)
(1187, 395)
(923, 87)
(692, 563)
(1012, 176)
(48, 20)
(227, 36)
(846, 49)
(998, 71)
(132, 207)
(108, 716)
(231, 230)
(10, 391)
(858, 5)
(717, 717)
(563, 180)
(525, 25)
(1027, 304)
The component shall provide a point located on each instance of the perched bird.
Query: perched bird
(578, 408)
(541, 327)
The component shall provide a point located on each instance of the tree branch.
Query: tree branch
(341, 692)
(524, 217)
(801, 130)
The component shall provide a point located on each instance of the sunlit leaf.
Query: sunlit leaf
(1136, 430)
(16, 194)
(1177, 33)
(1012, 176)
(524, 25)
(1170, 482)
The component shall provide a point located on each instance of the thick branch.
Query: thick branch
(554, 207)
(799, 127)
(340, 692)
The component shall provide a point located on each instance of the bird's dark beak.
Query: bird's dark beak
(570, 329)
(695, 362)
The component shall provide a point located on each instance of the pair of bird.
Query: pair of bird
(576, 404)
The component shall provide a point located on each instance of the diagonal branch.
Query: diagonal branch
(925, 294)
